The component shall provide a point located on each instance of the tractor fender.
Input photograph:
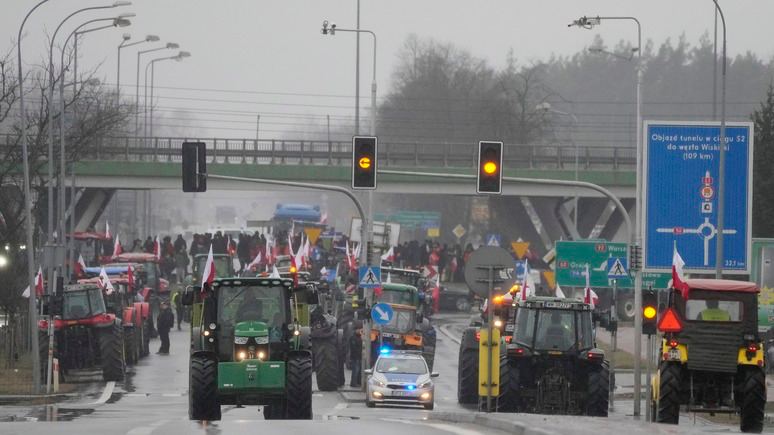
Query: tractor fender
(301, 352)
(145, 309)
(469, 339)
(128, 316)
(305, 338)
(145, 293)
(205, 354)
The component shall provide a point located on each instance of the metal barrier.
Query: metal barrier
(391, 154)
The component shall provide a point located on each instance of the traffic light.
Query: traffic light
(364, 162)
(649, 311)
(490, 161)
(194, 167)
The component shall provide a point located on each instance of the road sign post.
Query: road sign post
(681, 195)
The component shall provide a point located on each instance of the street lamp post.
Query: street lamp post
(588, 23)
(169, 45)
(722, 152)
(150, 65)
(126, 37)
(32, 304)
(546, 106)
(365, 251)
(180, 56)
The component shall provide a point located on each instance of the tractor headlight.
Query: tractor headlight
(261, 355)
(241, 340)
(296, 332)
(213, 326)
(242, 355)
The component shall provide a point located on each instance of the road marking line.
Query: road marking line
(440, 426)
(444, 330)
(146, 430)
(172, 395)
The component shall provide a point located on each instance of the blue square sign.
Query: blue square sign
(369, 276)
(680, 195)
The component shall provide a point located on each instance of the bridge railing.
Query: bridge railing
(337, 153)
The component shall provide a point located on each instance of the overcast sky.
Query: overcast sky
(252, 50)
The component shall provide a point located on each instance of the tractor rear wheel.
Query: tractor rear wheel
(753, 401)
(467, 373)
(506, 400)
(203, 402)
(669, 394)
(326, 360)
(275, 410)
(598, 393)
(112, 350)
(299, 387)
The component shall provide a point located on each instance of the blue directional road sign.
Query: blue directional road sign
(617, 268)
(382, 314)
(680, 192)
(369, 276)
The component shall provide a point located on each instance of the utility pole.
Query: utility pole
(257, 127)
(357, 72)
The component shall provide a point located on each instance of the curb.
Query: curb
(352, 396)
(444, 331)
(485, 420)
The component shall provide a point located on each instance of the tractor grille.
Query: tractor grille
(712, 347)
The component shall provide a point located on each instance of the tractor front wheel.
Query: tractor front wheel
(598, 394)
(112, 348)
(326, 363)
(467, 374)
(203, 402)
(299, 388)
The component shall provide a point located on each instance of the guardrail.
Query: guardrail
(396, 154)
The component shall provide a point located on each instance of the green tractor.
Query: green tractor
(248, 348)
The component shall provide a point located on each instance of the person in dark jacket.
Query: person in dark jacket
(164, 322)
(356, 357)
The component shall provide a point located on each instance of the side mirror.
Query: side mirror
(434, 374)
(187, 298)
(368, 371)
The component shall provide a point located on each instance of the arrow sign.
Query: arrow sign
(382, 313)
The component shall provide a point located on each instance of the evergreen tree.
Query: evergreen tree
(763, 168)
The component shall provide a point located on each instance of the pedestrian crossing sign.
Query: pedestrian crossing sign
(369, 276)
(616, 268)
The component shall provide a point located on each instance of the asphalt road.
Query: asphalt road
(154, 400)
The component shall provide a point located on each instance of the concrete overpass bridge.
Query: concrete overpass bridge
(132, 163)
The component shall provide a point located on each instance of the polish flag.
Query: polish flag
(274, 272)
(269, 250)
(104, 282)
(157, 248)
(307, 249)
(208, 274)
(589, 297)
(324, 217)
(525, 284)
(231, 248)
(39, 289)
(290, 246)
(80, 266)
(559, 293)
(107, 230)
(389, 256)
(678, 279)
(255, 263)
(298, 260)
(117, 249)
(350, 258)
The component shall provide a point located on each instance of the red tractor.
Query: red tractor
(134, 313)
(86, 335)
(93, 246)
(148, 276)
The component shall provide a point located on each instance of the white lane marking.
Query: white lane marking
(333, 414)
(440, 426)
(106, 393)
(146, 430)
(445, 330)
(172, 395)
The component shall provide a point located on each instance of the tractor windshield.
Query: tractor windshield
(558, 330)
(223, 266)
(256, 303)
(82, 304)
(713, 310)
(398, 296)
(402, 322)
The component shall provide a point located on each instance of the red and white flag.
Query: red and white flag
(157, 248)
(290, 246)
(80, 266)
(107, 230)
(269, 250)
(208, 274)
(274, 272)
(324, 217)
(525, 283)
(231, 247)
(389, 256)
(255, 263)
(104, 282)
(559, 293)
(678, 279)
(117, 249)
(39, 288)
(589, 297)
(350, 258)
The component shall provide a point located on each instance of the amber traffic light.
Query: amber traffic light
(364, 162)
(649, 311)
(490, 162)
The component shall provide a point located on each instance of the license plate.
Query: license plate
(400, 393)
(509, 327)
(674, 354)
